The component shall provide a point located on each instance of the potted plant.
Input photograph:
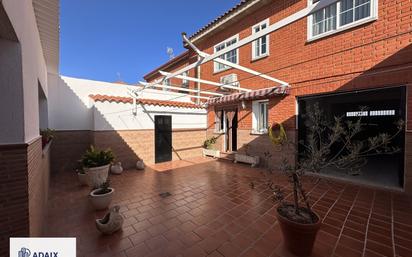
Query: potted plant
(82, 176)
(46, 136)
(298, 222)
(101, 197)
(208, 148)
(246, 157)
(96, 164)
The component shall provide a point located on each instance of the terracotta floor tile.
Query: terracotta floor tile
(138, 250)
(121, 245)
(140, 237)
(212, 210)
(190, 238)
(194, 251)
(229, 250)
(379, 248)
(343, 251)
(252, 253)
(156, 242)
(210, 244)
(156, 230)
(204, 231)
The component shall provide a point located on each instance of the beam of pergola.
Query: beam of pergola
(182, 89)
(275, 26)
(206, 82)
(231, 64)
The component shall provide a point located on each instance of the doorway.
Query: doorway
(231, 132)
(385, 106)
(163, 138)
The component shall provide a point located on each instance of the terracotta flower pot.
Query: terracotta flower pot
(298, 238)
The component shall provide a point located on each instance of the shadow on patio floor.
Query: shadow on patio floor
(212, 211)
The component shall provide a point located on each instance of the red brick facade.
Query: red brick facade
(127, 145)
(373, 55)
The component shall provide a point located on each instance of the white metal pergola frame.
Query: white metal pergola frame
(204, 57)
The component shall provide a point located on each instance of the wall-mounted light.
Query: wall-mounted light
(134, 111)
(243, 105)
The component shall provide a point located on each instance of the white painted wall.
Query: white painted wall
(119, 116)
(33, 70)
(11, 98)
(70, 107)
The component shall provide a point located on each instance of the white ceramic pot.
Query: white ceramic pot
(97, 176)
(211, 152)
(116, 169)
(101, 202)
(83, 178)
(140, 165)
(253, 160)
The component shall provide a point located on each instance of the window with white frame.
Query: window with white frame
(166, 82)
(260, 47)
(260, 116)
(231, 56)
(185, 82)
(340, 15)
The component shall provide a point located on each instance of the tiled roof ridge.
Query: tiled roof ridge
(145, 101)
(220, 17)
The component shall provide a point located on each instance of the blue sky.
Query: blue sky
(101, 38)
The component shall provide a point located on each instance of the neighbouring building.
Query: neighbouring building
(157, 126)
(342, 56)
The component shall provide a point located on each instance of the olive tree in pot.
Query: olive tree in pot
(101, 197)
(96, 164)
(298, 222)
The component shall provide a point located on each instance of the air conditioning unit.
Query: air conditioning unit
(230, 80)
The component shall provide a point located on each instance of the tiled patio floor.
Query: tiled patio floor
(213, 212)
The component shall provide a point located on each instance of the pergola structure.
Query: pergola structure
(205, 58)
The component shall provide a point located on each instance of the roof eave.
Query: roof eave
(224, 18)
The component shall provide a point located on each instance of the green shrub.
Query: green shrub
(208, 143)
(96, 158)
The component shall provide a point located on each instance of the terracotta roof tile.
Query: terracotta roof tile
(221, 17)
(121, 99)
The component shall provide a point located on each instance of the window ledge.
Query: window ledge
(343, 28)
(258, 58)
(258, 133)
(218, 132)
(220, 71)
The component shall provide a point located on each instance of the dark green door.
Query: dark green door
(163, 138)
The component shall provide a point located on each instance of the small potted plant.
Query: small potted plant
(208, 148)
(81, 174)
(96, 164)
(101, 197)
(46, 136)
(298, 222)
(246, 157)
